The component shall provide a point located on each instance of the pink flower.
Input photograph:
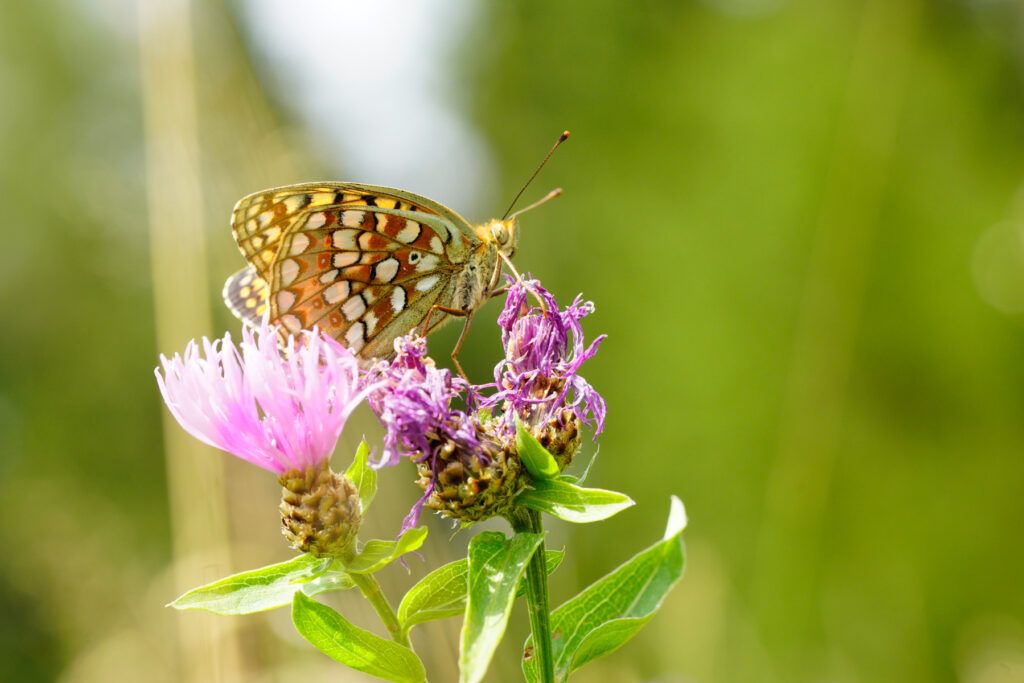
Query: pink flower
(280, 409)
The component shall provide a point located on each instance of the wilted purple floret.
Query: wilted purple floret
(544, 350)
(415, 405)
(278, 409)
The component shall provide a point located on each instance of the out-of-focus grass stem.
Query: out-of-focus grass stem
(208, 644)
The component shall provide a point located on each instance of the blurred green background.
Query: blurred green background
(801, 222)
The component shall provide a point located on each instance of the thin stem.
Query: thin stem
(371, 589)
(526, 520)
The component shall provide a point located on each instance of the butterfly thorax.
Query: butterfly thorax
(482, 274)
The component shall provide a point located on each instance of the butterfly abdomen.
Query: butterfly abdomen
(472, 282)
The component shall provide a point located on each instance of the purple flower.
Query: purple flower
(544, 350)
(279, 409)
(462, 437)
(417, 403)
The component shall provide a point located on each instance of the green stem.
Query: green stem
(370, 588)
(526, 520)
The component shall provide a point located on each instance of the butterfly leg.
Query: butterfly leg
(459, 313)
(458, 347)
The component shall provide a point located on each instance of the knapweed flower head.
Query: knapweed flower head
(539, 382)
(429, 417)
(462, 437)
(282, 409)
(279, 409)
(419, 403)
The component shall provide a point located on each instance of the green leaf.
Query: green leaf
(330, 633)
(362, 476)
(377, 554)
(611, 611)
(496, 565)
(573, 503)
(538, 461)
(442, 592)
(266, 588)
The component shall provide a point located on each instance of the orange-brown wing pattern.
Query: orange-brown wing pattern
(363, 263)
(363, 274)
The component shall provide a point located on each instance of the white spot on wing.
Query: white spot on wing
(387, 269)
(371, 323)
(299, 243)
(427, 283)
(285, 299)
(354, 337)
(352, 219)
(427, 264)
(344, 258)
(291, 323)
(316, 220)
(397, 299)
(294, 203)
(409, 233)
(336, 292)
(354, 307)
(329, 277)
(435, 245)
(344, 239)
(289, 271)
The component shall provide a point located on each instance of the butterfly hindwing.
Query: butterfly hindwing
(245, 294)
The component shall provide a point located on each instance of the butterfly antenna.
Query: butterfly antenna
(543, 200)
(561, 138)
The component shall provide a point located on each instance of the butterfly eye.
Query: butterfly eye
(500, 233)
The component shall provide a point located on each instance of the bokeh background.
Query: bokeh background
(801, 222)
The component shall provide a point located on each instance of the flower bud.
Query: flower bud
(472, 485)
(560, 435)
(319, 511)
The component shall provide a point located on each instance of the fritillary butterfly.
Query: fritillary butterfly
(365, 264)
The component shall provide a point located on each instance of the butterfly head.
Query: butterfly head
(503, 234)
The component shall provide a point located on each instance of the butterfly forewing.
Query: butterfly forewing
(363, 263)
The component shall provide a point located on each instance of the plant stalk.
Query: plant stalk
(526, 520)
(371, 590)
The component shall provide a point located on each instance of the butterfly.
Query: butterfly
(366, 264)
(363, 263)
